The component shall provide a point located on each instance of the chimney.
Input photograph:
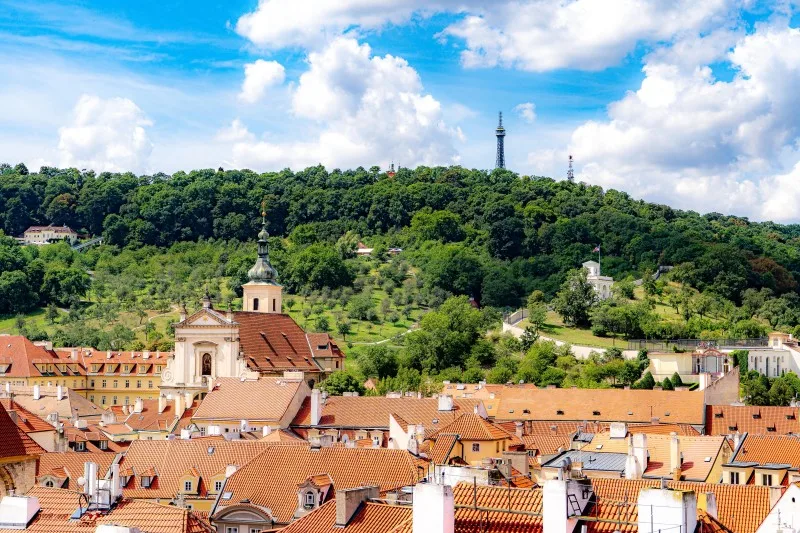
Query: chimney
(707, 501)
(674, 454)
(316, 407)
(737, 440)
(518, 429)
(108, 354)
(564, 500)
(518, 460)
(445, 404)
(16, 512)
(59, 392)
(116, 483)
(266, 430)
(73, 354)
(230, 470)
(433, 509)
(179, 407)
(36, 393)
(146, 354)
(667, 510)
(186, 434)
(348, 502)
(138, 405)
(13, 416)
(162, 403)
(8, 389)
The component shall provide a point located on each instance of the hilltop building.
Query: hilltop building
(602, 284)
(40, 235)
(258, 341)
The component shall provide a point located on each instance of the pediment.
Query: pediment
(206, 317)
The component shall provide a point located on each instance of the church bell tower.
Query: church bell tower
(262, 294)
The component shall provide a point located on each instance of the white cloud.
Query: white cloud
(309, 23)
(691, 140)
(370, 110)
(106, 135)
(542, 35)
(527, 111)
(258, 77)
(237, 131)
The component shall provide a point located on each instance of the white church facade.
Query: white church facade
(602, 284)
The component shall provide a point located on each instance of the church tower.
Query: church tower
(262, 294)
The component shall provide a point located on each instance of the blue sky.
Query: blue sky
(691, 104)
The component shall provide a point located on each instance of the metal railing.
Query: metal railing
(693, 344)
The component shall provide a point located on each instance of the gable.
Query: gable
(205, 318)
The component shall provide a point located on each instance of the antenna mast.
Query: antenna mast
(570, 172)
(500, 133)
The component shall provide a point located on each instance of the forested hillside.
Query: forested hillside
(503, 239)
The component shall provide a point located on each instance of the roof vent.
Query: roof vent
(559, 412)
(707, 459)
(595, 413)
(210, 450)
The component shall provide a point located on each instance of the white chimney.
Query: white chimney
(73, 354)
(186, 434)
(348, 502)
(445, 403)
(8, 387)
(559, 499)
(110, 528)
(316, 407)
(108, 354)
(518, 429)
(434, 509)
(244, 426)
(59, 392)
(162, 403)
(36, 393)
(266, 430)
(179, 407)
(667, 510)
(230, 470)
(674, 453)
(116, 483)
(138, 405)
(146, 354)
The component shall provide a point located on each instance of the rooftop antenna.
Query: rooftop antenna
(570, 172)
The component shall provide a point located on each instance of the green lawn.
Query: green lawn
(555, 329)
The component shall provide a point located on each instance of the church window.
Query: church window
(255, 304)
(206, 364)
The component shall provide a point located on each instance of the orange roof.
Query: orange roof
(57, 505)
(546, 444)
(322, 345)
(695, 450)
(25, 356)
(26, 421)
(442, 448)
(271, 479)
(755, 420)
(370, 518)
(72, 464)
(741, 508)
(372, 412)
(67, 407)
(171, 459)
(281, 435)
(763, 449)
(14, 442)
(150, 419)
(610, 405)
(470, 426)
(263, 399)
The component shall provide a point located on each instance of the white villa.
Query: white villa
(602, 284)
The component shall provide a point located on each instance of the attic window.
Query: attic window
(718, 415)
(227, 495)
(731, 428)
(435, 420)
(707, 459)
(146, 481)
(559, 412)
(595, 413)
(598, 447)
(790, 416)
(771, 428)
(526, 411)
(630, 413)
(666, 414)
(756, 416)
(510, 410)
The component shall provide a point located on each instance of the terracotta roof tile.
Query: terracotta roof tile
(26, 421)
(72, 464)
(694, 450)
(741, 508)
(71, 403)
(764, 449)
(610, 405)
(270, 480)
(265, 399)
(755, 420)
(14, 442)
(370, 518)
(282, 435)
(546, 444)
(372, 412)
(442, 448)
(470, 426)
(150, 419)
(274, 342)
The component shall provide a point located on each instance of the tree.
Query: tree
(667, 384)
(362, 307)
(537, 315)
(323, 324)
(506, 237)
(444, 226)
(315, 267)
(623, 289)
(575, 299)
(51, 315)
(377, 361)
(340, 382)
(676, 380)
(781, 392)
(755, 388)
(290, 303)
(347, 245)
(344, 328)
(647, 382)
(454, 268)
(740, 359)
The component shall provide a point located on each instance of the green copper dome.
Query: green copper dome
(263, 271)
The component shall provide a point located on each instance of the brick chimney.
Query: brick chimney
(348, 502)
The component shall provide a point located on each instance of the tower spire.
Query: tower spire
(263, 270)
(570, 172)
(500, 133)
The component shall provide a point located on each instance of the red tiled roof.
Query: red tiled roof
(72, 464)
(270, 480)
(470, 426)
(14, 442)
(150, 419)
(755, 420)
(370, 518)
(273, 342)
(264, 399)
(442, 448)
(322, 345)
(26, 421)
(741, 508)
(764, 449)
(372, 412)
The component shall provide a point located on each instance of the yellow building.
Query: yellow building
(106, 378)
(689, 365)
(470, 439)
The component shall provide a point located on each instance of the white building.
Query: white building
(602, 284)
(46, 234)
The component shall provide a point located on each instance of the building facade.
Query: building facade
(39, 235)
(601, 284)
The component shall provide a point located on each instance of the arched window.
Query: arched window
(49, 483)
(255, 304)
(206, 364)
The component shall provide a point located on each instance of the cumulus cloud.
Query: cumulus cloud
(237, 131)
(369, 109)
(308, 23)
(106, 135)
(542, 35)
(692, 140)
(527, 111)
(258, 77)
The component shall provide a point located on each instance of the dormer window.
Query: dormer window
(217, 486)
(147, 481)
(103, 445)
(310, 500)
(187, 486)
(718, 415)
(559, 412)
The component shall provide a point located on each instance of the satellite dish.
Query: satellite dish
(81, 481)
